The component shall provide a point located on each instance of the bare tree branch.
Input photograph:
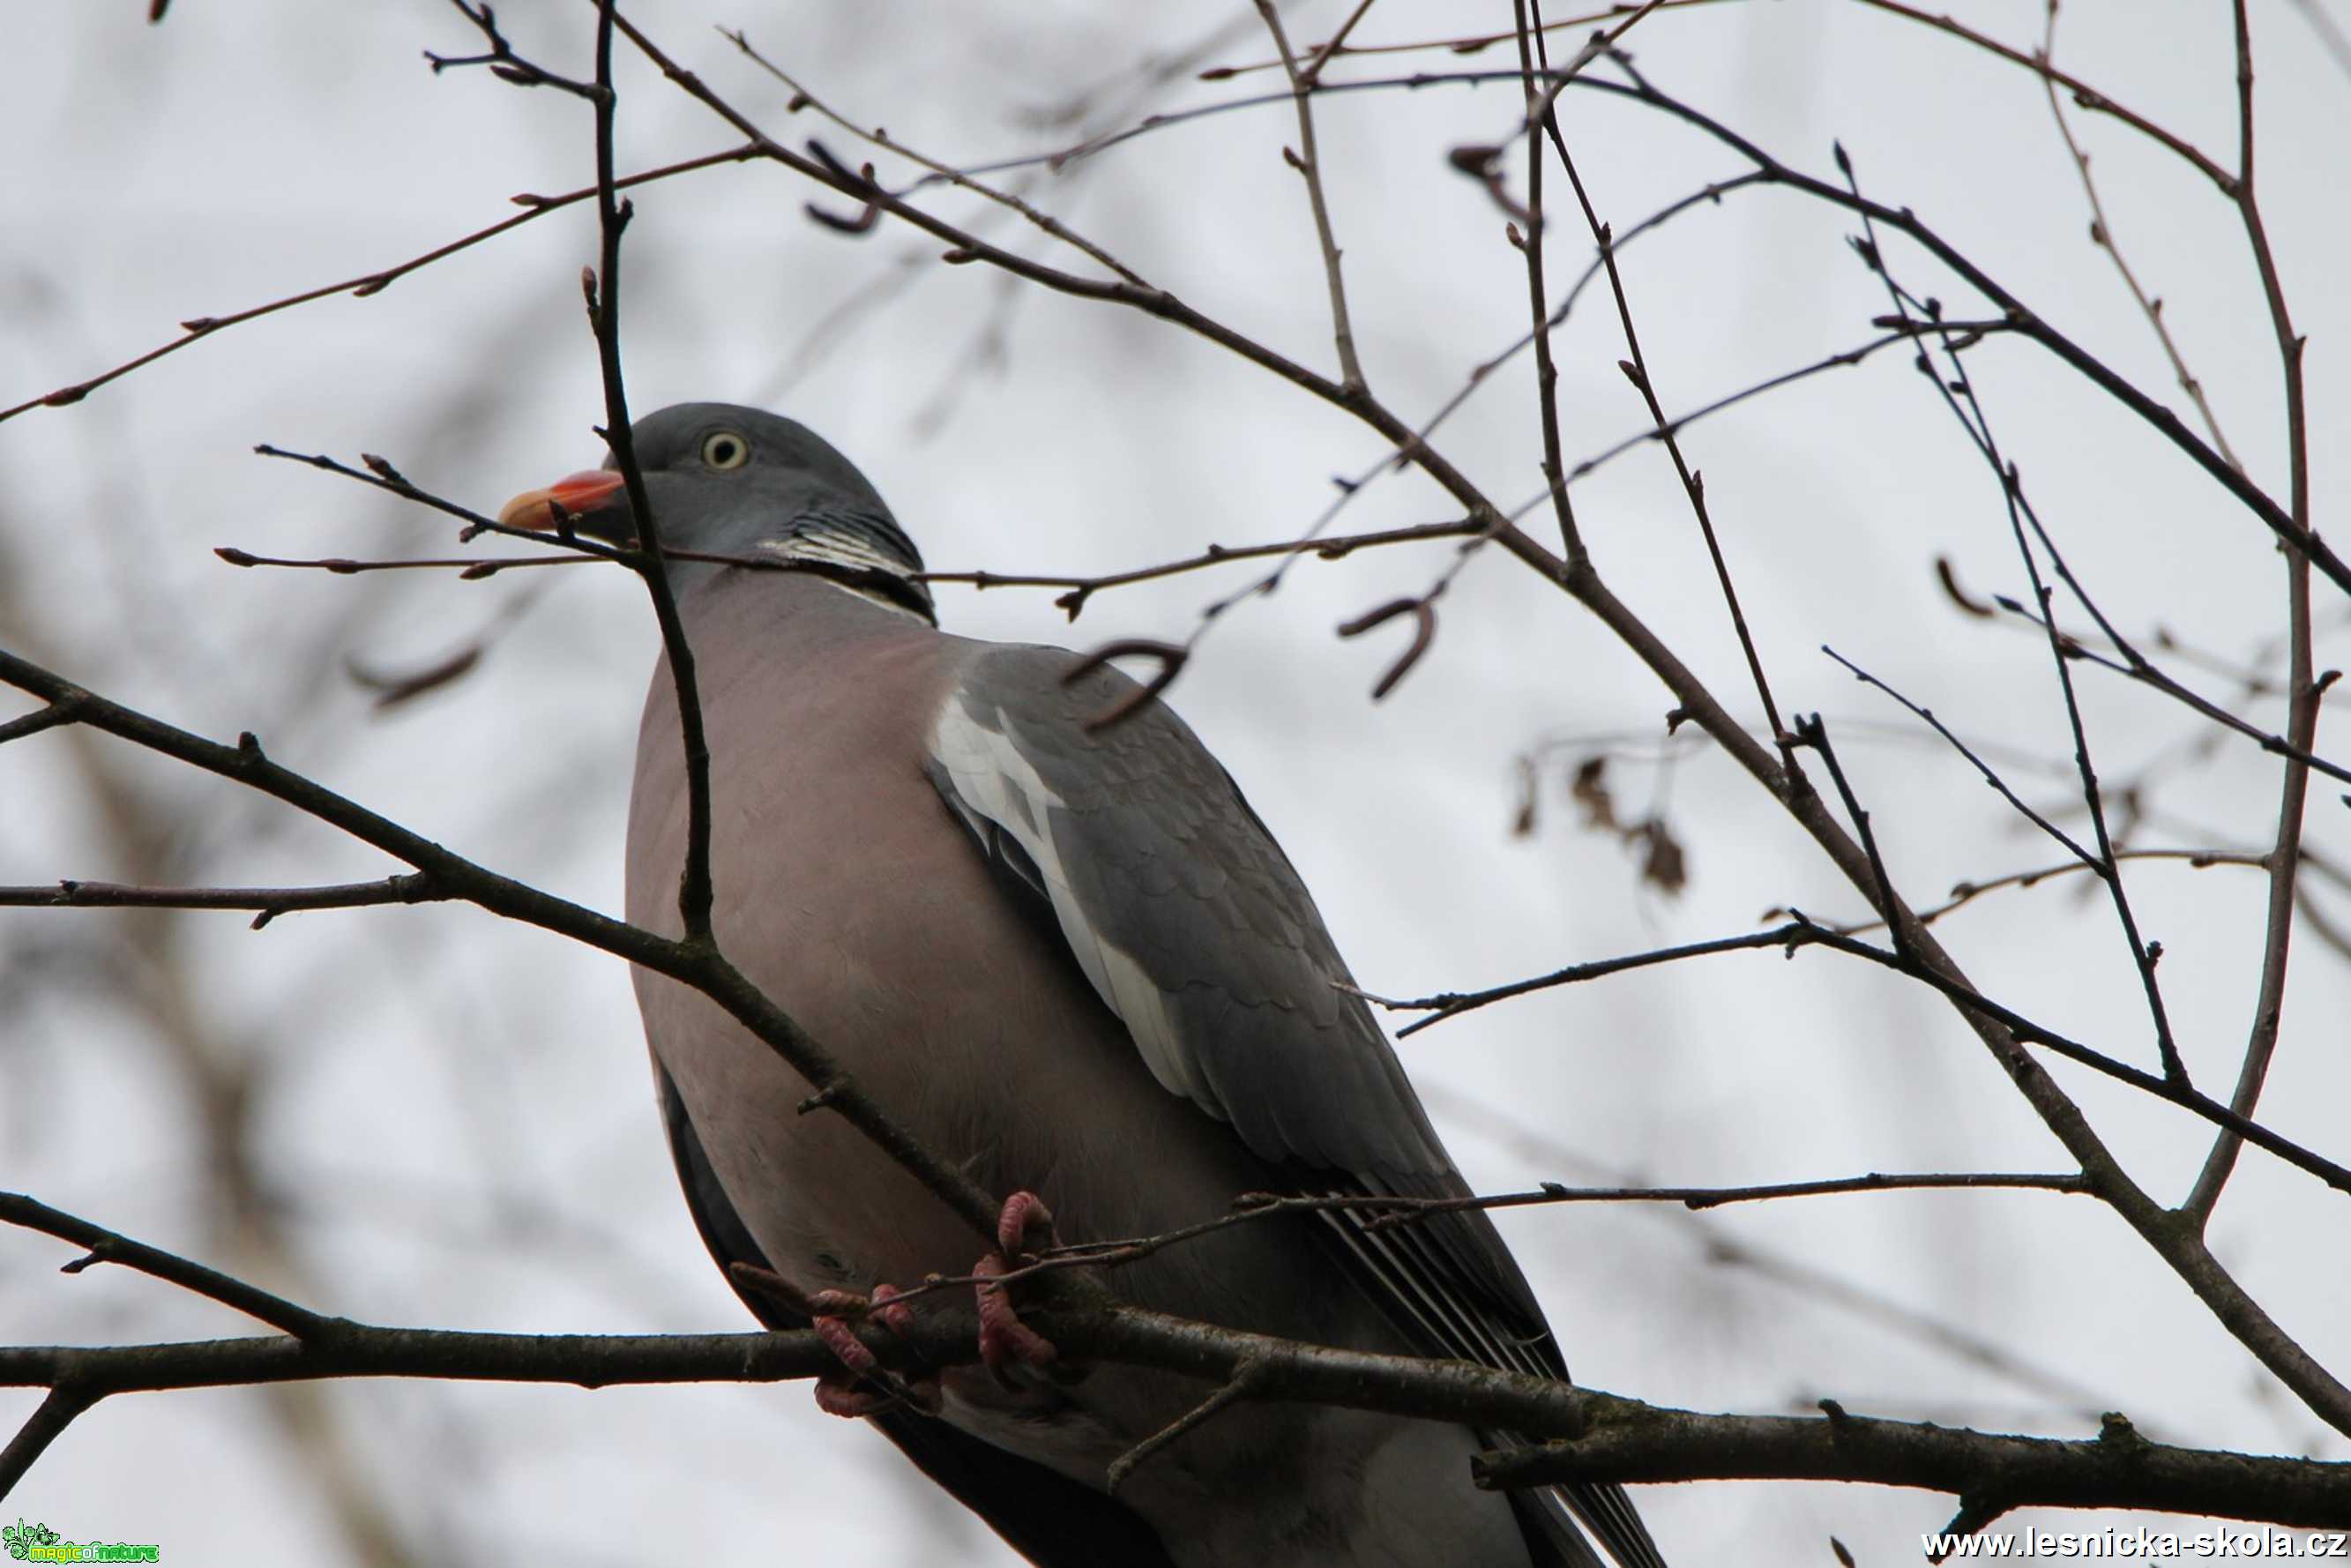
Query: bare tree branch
(365, 284)
(2102, 234)
(413, 887)
(2304, 688)
(109, 1247)
(2118, 1468)
(1615, 1438)
(1308, 164)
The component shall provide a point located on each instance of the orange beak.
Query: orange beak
(577, 495)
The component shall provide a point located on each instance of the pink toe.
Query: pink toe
(891, 1312)
(837, 1394)
(846, 1348)
(1020, 1210)
(1004, 1339)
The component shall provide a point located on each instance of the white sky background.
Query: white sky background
(451, 1119)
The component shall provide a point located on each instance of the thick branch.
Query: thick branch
(1626, 1441)
(1989, 1474)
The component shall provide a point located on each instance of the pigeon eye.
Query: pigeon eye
(725, 450)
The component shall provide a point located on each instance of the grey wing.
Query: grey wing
(1185, 915)
(1191, 926)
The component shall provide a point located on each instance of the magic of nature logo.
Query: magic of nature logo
(40, 1544)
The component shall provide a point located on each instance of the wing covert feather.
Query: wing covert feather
(1185, 915)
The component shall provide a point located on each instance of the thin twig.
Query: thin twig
(1468, 44)
(1723, 1247)
(2086, 96)
(1453, 1004)
(1803, 931)
(1636, 370)
(366, 283)
(106, 1245)
(2262, 505)
(47, 1421)
(1080, 589)
(502, 60)
(1966, 893)
(36, 721)
(382, 476)
(1813, 732)
(1991, 776)
(945, 172)
(1571, 536)
(1333, 44)
(1245, 1380)
(1705, 1197)
(1844, 360)
(2304, 688)
(411, 887)
(603, 291)
(2277, 519)
(1308, 164)
(1957, 391)
(2102, 234)
(2145, 671)
(467, 567)
(1389, 1211)
(2183, 1096)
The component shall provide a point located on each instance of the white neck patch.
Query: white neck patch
(844, 550)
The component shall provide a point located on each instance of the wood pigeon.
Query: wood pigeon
(1072, 959)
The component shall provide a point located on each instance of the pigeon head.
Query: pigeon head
(746, 486)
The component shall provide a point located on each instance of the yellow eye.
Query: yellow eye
(724, 449)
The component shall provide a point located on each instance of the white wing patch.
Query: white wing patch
(993, 780)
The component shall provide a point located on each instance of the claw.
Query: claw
(1005, 1340)
(1021, 1210)
(846, 1347)
(887, 1309)
(864, 1387)
(842, 1395)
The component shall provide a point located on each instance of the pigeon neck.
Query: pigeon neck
(828, 573)
(850, 561)
(811, 602)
